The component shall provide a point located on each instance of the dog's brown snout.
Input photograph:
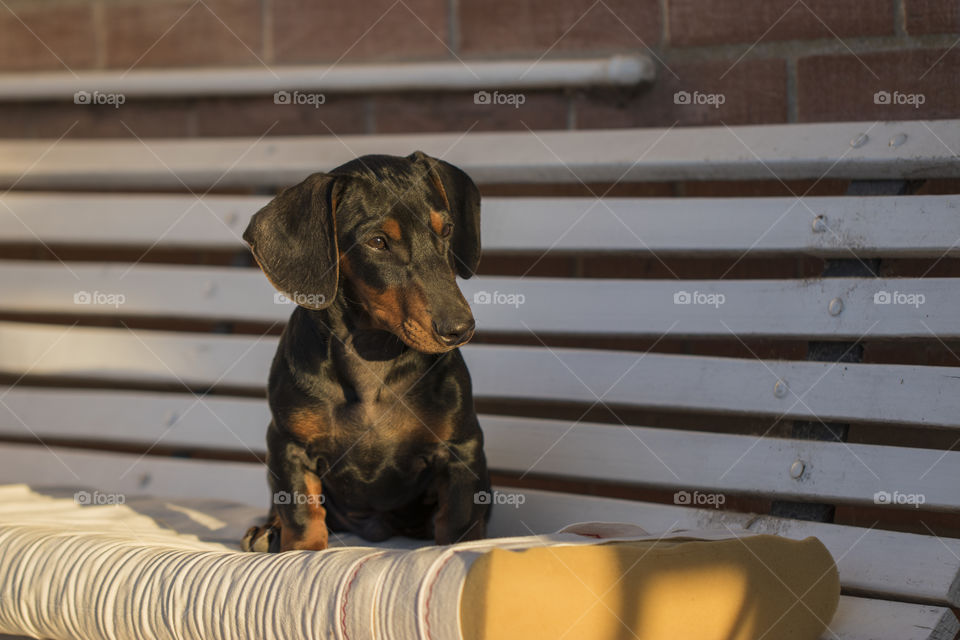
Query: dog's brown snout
(454, 331)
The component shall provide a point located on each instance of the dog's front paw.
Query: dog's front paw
(264, 538)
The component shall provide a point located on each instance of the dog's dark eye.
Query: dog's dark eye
(446, 230)
(377, 242)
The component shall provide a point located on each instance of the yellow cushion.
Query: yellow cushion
(737, 589)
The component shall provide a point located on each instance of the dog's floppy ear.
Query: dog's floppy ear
(294, 240)
(463, 201)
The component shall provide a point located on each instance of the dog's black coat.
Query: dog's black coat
(370, 397)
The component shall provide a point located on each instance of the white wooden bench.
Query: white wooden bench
(81, 404)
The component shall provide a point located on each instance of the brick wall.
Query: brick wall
(767, 61)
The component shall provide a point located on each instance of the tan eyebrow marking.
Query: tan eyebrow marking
(436, 222)
(392, 228)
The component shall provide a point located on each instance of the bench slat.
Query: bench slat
(744, 464)
(891, 394)
(918, 308)
(661, 458)
(212, 293)
(127, 220)
(93, 354)
(867, 226)
(804, 309)
(821, 150)
(863, 226)
(135, 417)
(875, 562)
(863, 619)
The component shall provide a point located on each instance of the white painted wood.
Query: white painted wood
(661, 458)
(457, 75)
(861, 226)
(127, 220)
(179, 420)
(674, 460)
(863, 619)
(748, 308)
(85, 353)
(708, 153)
(875, 562)
(122, 289)
(801, 309)
(892, 394)
(131, 475)
(867, 227)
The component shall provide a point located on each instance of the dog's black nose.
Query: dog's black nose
(454, 332)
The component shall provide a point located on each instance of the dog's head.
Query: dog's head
(389, 233)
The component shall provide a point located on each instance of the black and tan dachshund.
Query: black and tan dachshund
(374, 429)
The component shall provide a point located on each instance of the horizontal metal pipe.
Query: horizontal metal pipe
(455, 75)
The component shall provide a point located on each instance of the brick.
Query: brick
(536, 26)
(920, 268)
(733, 348)
(939, 187)
(581, 190)
(925, 352)
(842, 87)
(246, 116)
(763, 188)
(932, 16)
(146, 119)
(748, 21)
(254, 116)
(44, 37)
(766, 349)
(754, 92)
(183, 33)
(323, 30)
(165, 118)
(458, 112)
(534, 265)
(897, 436)
(943, 525)
(666, 266)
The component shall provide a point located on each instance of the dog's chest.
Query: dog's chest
(370, 438)
(393, 424)
(379, 449)
(382, 423)
(393, 404)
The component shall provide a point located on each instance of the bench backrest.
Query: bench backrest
(850, 309)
